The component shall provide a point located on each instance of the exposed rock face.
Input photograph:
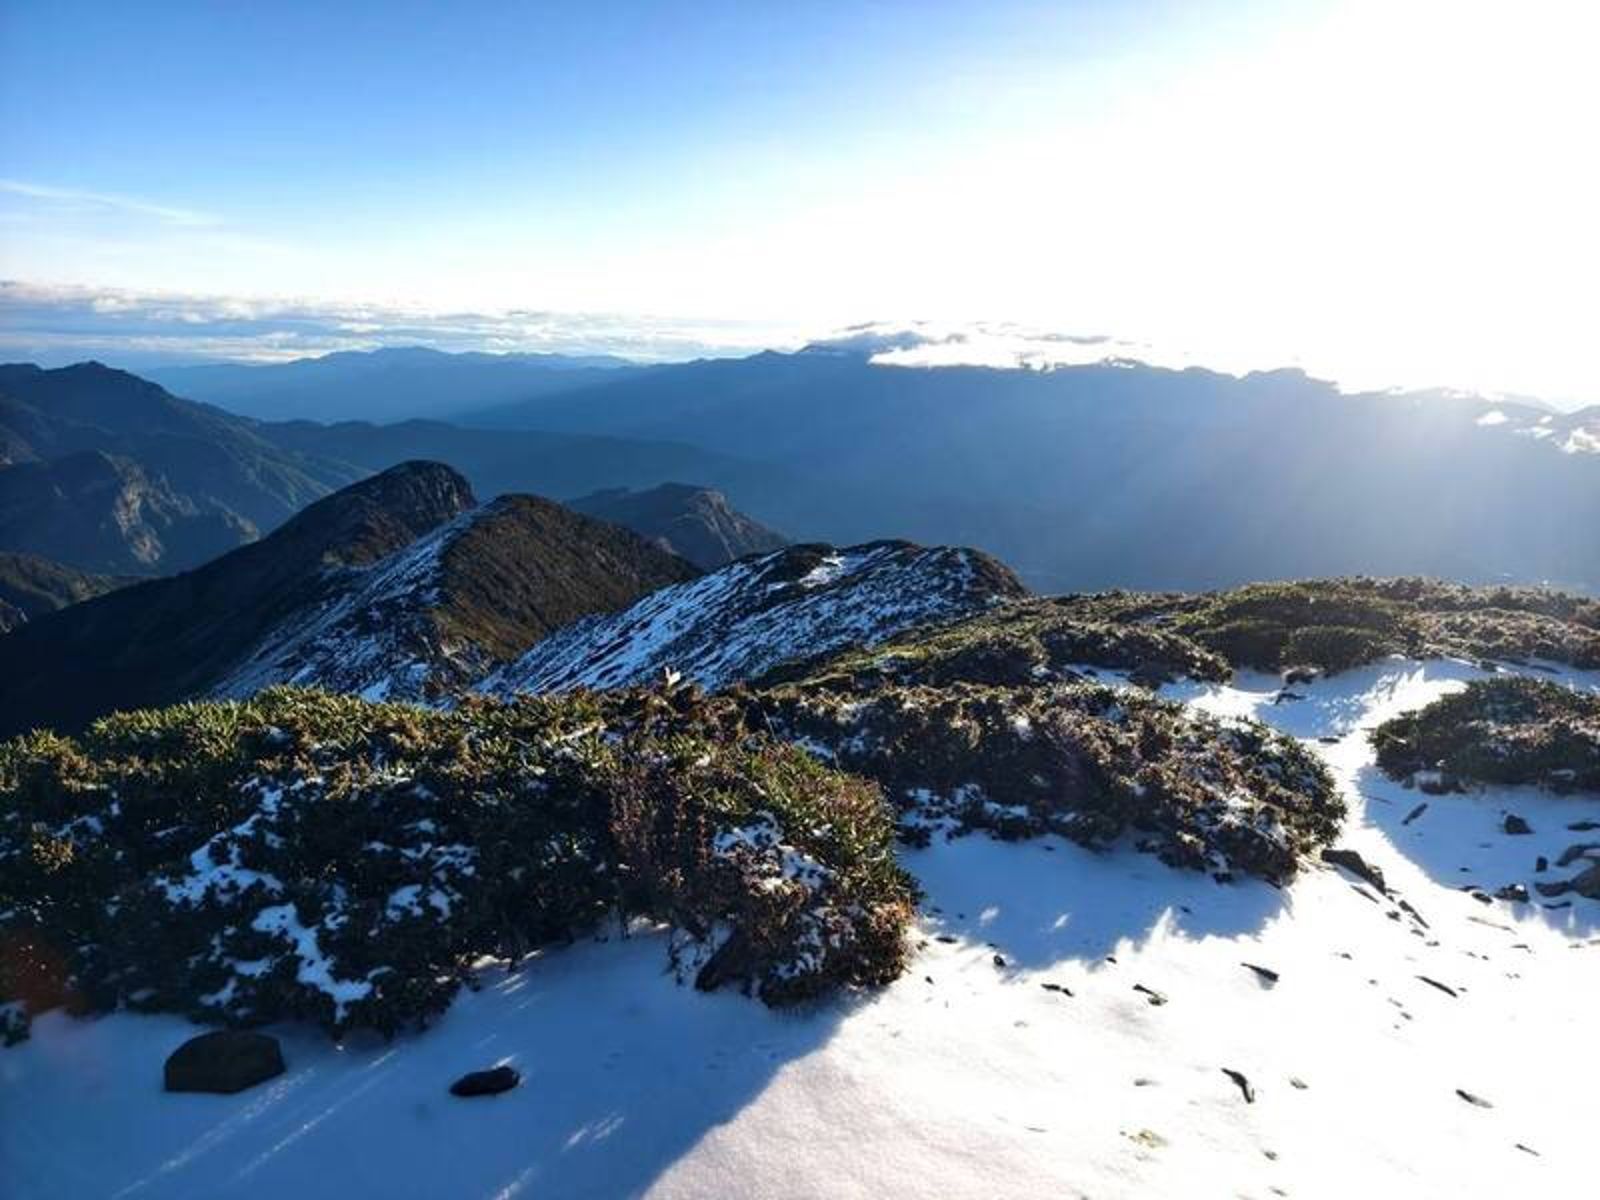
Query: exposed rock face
(223, 1061)
(696, 523)
(103, 512)
(741, 621)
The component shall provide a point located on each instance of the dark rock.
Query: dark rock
(1516, 825)
(1584, 826)
(1415, 813)
(223, 1061)
(1286, 695)
(1328, 740)
(1351, 861)
(1513, 891)
(1057, 987)
(1154, 997)
(1475, 1101)
(1551, 890)
(1000, 960)
(1587, 883)
(1445, 988)
(1299, 1083)
(486, 1083)
(1573, 853)
(1244, 1084)
(1541, 865)
(1266, 974)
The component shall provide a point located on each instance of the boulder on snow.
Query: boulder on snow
(1515, 825)
(1351, 861)
(223, 1061)
(1576, 851)
(486, 1083)
(1587, 883)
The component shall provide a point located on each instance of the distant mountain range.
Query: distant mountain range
(1121, 474)
(399, 585)
(1112, 475)
(107, 472)
(384, 385)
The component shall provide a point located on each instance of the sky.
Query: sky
(1385, 193)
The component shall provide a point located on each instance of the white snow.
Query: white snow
(314, 969)
(740, 621)
(965, 1078)
(1493, 417)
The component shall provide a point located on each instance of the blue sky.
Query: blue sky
(1383, 192)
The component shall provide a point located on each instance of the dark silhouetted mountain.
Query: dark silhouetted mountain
(200, 458)
(1122, 474)
(385, 385)
(31, 586)
(502, 461)
(695, 522)
(102, 512)
(737, 623)
(398, 585)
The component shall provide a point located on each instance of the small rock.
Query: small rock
(1286, 695)
(486, 1083)
(1266, 974)
(1351, 861)
(1415, 813)
(947, 939)
(1541, 865)
(1475, 1101)
(1296, 1081)
(1515, 825)
(1152, 996)
(1057, 987)
(1445, 988)
(1481, 897)
(1513, 891)
(223, 1061)
(1000, 961)
(1583, 826)
(1551, 890)
(1329, 740)
(1528, 1150)
(1244, 1084)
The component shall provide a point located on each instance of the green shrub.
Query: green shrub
(1504, 732)
(316, 857)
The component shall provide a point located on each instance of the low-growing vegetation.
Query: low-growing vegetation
(1503, 732)
(1336, 624)
(316, 857)
(1085, 761)
(1030, 642)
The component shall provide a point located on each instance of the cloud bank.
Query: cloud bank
(52, 325)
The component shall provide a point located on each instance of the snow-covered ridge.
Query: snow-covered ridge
(754, 614)
(371, 634)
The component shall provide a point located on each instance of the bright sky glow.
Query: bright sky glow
(1386, 192)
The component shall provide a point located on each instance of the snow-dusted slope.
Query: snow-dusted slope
(738, 622)
(973, 1076)
(442, 611)
(374, 636)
